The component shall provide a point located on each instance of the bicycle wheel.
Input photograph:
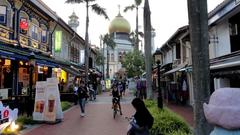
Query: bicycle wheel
(114, 111)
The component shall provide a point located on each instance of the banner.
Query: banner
(58, 41)
(39, 105)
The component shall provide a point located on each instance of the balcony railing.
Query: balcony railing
(6, 35)
(28, 42)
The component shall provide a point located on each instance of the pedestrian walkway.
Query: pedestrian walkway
(98, 120)
(186, 112)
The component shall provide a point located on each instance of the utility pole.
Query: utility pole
(198, 25)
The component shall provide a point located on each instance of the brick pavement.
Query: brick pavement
(186, 112)
(98, 121)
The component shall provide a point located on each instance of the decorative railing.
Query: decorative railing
(6, 35)
(28, 42)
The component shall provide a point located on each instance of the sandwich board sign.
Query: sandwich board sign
(47, 101)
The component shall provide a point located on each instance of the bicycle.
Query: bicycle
(115, 106)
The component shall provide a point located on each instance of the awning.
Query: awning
(175, 69)
(46, 63)
(12, 56)
(70, 70)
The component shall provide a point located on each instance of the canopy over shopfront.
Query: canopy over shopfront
(179, 67)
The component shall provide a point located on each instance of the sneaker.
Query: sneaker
(82, 114)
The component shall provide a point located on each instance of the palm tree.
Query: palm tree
(98, 10)
(109, 41)
(198, 22)
(132, 7)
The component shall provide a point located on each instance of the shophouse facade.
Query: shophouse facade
(175, 79)
(224, 51)
(28, 49)
(224, 44)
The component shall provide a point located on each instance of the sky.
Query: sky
(166, 16)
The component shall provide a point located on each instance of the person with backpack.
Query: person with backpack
(82, 94)
(142, 120)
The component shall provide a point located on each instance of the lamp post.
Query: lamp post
(157, 56)
(160, 102)
(31, 71)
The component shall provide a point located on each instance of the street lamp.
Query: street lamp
(157, 57)
(32, 63)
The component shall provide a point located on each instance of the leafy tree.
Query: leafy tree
(98, 10)
(134, 63)
(99, 58)
(109, 41)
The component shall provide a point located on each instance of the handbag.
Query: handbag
(135, 129)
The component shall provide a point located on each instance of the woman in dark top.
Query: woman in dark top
(142, 119)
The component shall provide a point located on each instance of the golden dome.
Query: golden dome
(119, 24)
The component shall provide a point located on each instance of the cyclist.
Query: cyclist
(116, 96)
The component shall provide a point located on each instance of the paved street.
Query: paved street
(98, 121)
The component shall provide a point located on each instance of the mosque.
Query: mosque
(120, 28)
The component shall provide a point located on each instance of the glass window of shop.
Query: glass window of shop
(42, 73)
(6, 78)
(23, 78)
(62, 77)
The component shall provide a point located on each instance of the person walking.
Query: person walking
(142, 120)
(82, 94)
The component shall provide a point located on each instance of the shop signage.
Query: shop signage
(23, 24)
(47, 101)
(58, 41)
(7, 116)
